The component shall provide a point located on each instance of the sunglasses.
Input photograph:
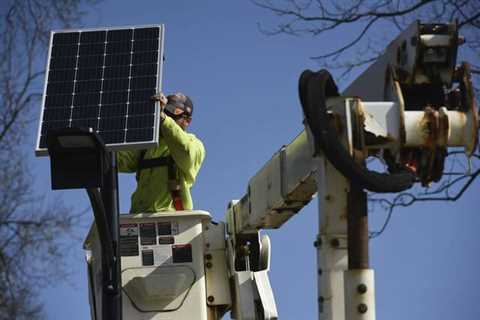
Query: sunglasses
(178, 116)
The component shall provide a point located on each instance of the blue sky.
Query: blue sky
(244, 87)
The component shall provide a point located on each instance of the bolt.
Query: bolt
(328, 197)
(320, 271)
(362, 308)
(335, 243)
(362, 288)
(207, 245)
(209, 265)
(208, 256)
(321, 299)
(210, 299)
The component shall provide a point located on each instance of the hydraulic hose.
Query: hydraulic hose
(314, 90)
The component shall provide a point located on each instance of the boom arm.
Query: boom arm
(419, 103)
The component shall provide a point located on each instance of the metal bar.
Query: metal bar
(357, 229)
(112, 295)
(331, 244)
(101, 223)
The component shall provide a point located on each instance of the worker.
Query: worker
(166, 173)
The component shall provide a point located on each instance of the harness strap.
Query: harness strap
(155, 162)
(173, 183)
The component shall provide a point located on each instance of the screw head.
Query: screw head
(211, 299)
(209, 265)
(208, 256)
(335, 243)
(362, 308)
(362, 288)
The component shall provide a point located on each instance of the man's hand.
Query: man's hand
(160, 97)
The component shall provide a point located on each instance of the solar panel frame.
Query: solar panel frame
(59, 112)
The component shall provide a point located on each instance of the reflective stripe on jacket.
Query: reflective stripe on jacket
(152, 193)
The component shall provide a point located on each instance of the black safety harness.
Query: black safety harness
(173, 183)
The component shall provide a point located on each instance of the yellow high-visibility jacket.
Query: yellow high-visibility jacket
(152, 193)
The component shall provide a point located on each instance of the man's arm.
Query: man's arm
(187, 151)
(127, 161)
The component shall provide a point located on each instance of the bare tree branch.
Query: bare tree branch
(32, 229)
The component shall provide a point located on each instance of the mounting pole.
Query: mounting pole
(359, 279)
(112, 292)
(79, 159)
(331, 243)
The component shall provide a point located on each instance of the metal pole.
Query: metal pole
(357, 228)
(112, 292)
(331, 244)
(358, 279)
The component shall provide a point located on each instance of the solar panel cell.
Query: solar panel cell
(113, 136)
(145, 45)
(116, 72)
(144, 70)
(59, 88)
(89, 74)
(114, 97)
(117, 59)
(141, 95)
(47, 125)
(90, 61)
(143, 121)
(58, 100)
(143, 83)
(139, 135)
(113, 123)
(119, 47)
(119, 35)
(63, 62)
(55, 114)
(85, 112)
(91, 49)
(88, 86)
(112, 110)
(85, 123)
(147, 107)
(117, 84)
(146, 33)
(93, 36)
(86, 99)
(61, 75)
(145, 57)
(64, 50)
(66, 38)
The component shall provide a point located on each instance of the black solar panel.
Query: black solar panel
(104, 80)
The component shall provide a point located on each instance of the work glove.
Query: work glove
(160, 97)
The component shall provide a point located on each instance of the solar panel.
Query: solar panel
(104, 79)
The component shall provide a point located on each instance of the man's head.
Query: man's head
(180, 108)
